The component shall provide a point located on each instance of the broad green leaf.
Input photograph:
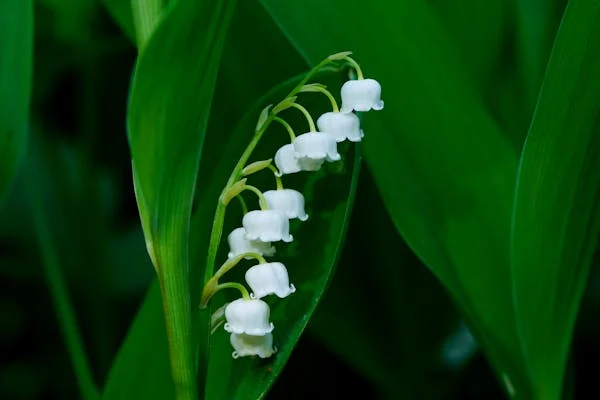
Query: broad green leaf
(556, 220)
(442, 165)
(168, 111)
(480, 30)
(414, 314)
(141, 369)
(477, 29)
(16, 52)
(536, 23)
(310, 260)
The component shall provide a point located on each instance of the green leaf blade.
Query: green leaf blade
(445, 170)
(556, 220)
(16, 53)
(310, 261)
(168, 112)
(141, 369)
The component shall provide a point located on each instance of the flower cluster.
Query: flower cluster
(247, 319)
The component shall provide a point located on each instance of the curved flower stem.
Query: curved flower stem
(322, 89)
(235, 285)
(278, 182)
(309, 119)
(359, 74)
(287, 126)
(217, 319)
(232, 262)
(242, 204)
(212, 286)
(236, 174)
(261, 198)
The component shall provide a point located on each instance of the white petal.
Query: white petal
(361, 95)
(249, 345)
(238, 244)
(269, 278)
(316, 146)
(290, 202)
(341, 126)
(286, 161)
(267, 226)
(248, 316)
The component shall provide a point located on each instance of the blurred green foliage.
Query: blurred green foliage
(448, 285)
(16, 53)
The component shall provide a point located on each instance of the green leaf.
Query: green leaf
(168, 111)
(310, 260)
(414, 313)
(556, 220)
(477, 31)
(16, 52)
(536, 24)
(141, 369)
(444, 169)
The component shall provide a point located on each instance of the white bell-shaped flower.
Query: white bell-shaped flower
(251, 345)
(267, 226)
(269, 278)
(316, 146)
(341, 126)
(361, 95)
(287, 163)
(238, 244)
(249, 316)
(290, 202)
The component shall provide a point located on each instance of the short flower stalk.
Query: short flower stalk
(248, 318)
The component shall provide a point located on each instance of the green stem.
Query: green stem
(278, 182)
(60, 297)
(261, 199)
(229, 264)
(242, 204)
(236, 174)
(287, 127)
(235, 285)
(309, 119)
(174, 285)
(212, 285)
(359, 74)
(322, 89)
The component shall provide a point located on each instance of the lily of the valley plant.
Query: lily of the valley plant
(247, 319)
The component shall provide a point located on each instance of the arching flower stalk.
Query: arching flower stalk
(247, 318)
